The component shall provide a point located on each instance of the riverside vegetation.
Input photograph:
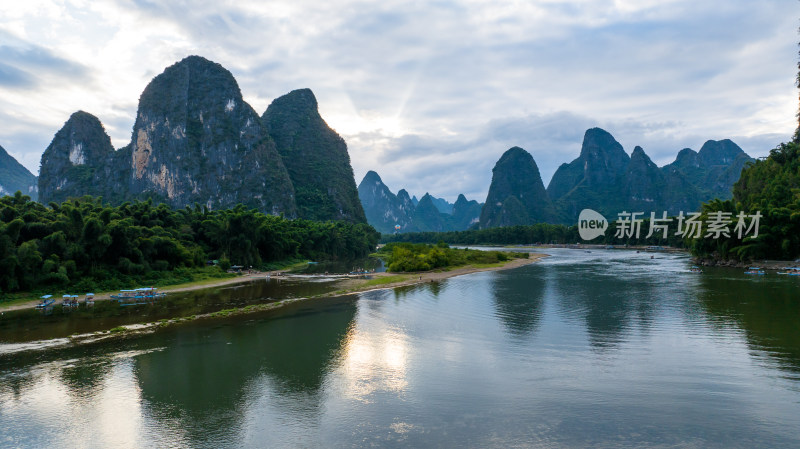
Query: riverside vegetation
(538, 233)
(770, 186)
(400, 257)
(84, 245)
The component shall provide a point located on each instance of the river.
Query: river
(606, 348)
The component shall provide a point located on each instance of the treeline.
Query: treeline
(401, 257)
(85, 244)
(540, 233)
(772, 187)
(508, 235)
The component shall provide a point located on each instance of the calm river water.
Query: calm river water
(608, 349)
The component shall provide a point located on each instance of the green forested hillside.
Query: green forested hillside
(88, 245)
(316, 158)
(772, 187)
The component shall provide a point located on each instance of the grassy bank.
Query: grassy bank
(413, 257)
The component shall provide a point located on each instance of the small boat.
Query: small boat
(47, 301)
(89, 300)
(695, 269)
(755, 270)
(790, 271)
(69, 301)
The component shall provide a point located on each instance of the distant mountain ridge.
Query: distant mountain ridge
(196, 141)
(15, 177)
(385, 210)
(603, 177)
(606, 179)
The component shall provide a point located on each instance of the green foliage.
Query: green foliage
(540, 233)
(87, 245)
(772, 187)
(506, 235)
(315, 157)
(402, 257)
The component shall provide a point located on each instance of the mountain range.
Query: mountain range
(385, 210)
(196, 141)
(603, 177)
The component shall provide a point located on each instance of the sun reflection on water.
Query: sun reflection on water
(373, 362)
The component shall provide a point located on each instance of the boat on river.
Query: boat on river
(69, 301)
(695, 269)
(137, 296)
(47, 301)
(790, 271)
(755, 270)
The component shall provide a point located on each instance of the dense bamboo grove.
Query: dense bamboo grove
(85, 244)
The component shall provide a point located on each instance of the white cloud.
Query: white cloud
(429, 95)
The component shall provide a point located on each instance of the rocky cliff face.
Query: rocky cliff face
(407, 204)
(383, 209)
(517, 195)
(196, 140)
(591, 180)
(465, 213)
(603, 178)
(74, 163)
(713, 170)
(442, 205)
(15, 177)
(427, 217)
(316, 158)
(645, 186)
(600, 162)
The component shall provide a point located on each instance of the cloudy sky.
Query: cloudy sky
(428, 94)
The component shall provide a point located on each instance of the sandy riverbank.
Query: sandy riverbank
(357, 285)
(354, 285)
